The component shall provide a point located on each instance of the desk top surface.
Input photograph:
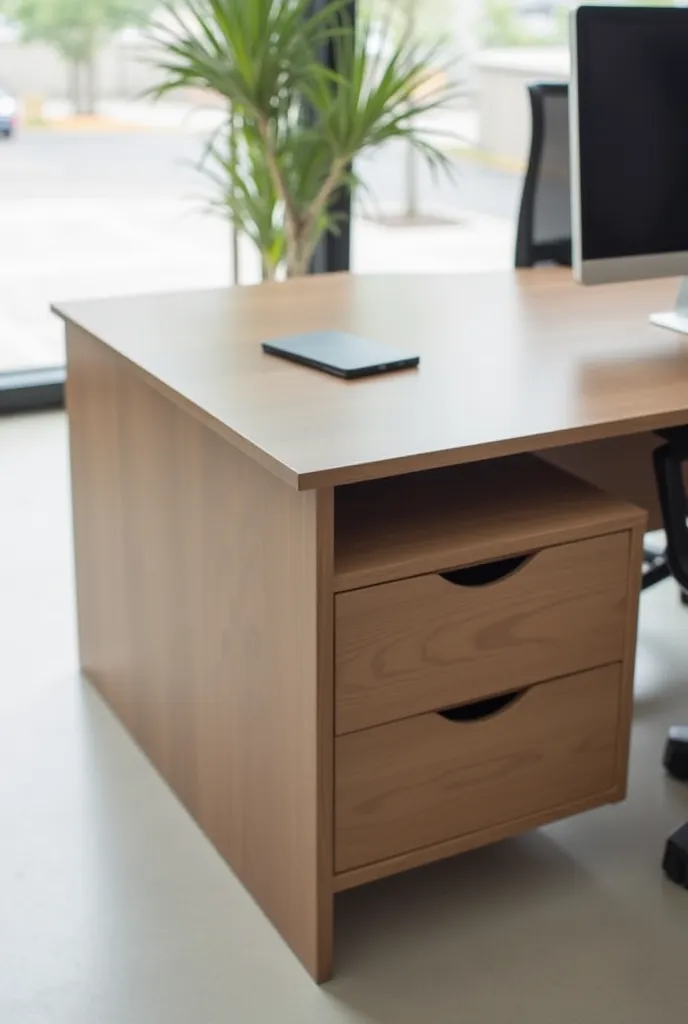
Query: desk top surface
(510, 362)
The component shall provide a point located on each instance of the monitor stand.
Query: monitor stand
(677, 319)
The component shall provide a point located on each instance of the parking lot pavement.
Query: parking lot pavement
(86, 216)
(54, 249)
(83, 216)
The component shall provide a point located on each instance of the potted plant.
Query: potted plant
(294, 125)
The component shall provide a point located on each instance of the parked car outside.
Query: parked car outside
(8, 113)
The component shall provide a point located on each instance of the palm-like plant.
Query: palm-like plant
(295, 125)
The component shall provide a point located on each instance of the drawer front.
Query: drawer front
(425, 643)
(424, 780)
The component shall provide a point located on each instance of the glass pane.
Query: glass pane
(408, 220)
(98, 190)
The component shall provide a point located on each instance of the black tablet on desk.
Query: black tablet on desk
(341, 354)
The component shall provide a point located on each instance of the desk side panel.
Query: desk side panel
(205, 620)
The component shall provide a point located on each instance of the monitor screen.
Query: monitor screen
(631, 79)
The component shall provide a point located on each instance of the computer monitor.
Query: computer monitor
(629, 146)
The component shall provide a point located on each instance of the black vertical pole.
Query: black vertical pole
(334, 251)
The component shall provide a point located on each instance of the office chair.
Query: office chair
(544, 236)
(544, 222)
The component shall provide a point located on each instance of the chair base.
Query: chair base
(656, 569)
(675, 862)
(676, 753)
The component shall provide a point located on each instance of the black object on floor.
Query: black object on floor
(676, 857)
(676, 753)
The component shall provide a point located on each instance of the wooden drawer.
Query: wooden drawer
(424, 780)
(429, 642)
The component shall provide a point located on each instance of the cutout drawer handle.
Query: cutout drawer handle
(478, 710)
(487, 572)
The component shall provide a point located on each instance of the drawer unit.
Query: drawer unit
(502, 764)
(440, 639)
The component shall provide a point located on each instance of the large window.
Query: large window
(98, 192)
(406, 220)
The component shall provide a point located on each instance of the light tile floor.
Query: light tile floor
(115, 910)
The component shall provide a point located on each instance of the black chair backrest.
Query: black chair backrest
(544, 222)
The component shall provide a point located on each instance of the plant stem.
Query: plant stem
(327, 190)
(232, 145)
(305, 240)
(269, 272)
(297, 264)
(291, 219)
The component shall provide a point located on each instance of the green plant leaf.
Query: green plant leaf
(300, 125)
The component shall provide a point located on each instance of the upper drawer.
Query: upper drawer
(432, 641)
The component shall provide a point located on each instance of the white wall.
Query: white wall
(502, 79)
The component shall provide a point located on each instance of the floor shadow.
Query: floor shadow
(470, 936)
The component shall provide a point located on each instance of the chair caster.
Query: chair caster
(676, 753)
(675, 862)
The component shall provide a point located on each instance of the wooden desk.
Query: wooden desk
(206, 478)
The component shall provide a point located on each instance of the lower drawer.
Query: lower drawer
(434, 777)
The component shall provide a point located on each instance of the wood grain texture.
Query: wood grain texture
(635, 567)
(205, 620)
(424, 643)
(322, 956)
(509, 363)
(426, 522)
(460, 844)
(414, 783)
(619, 465)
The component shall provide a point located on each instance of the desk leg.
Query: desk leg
(205, 620)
